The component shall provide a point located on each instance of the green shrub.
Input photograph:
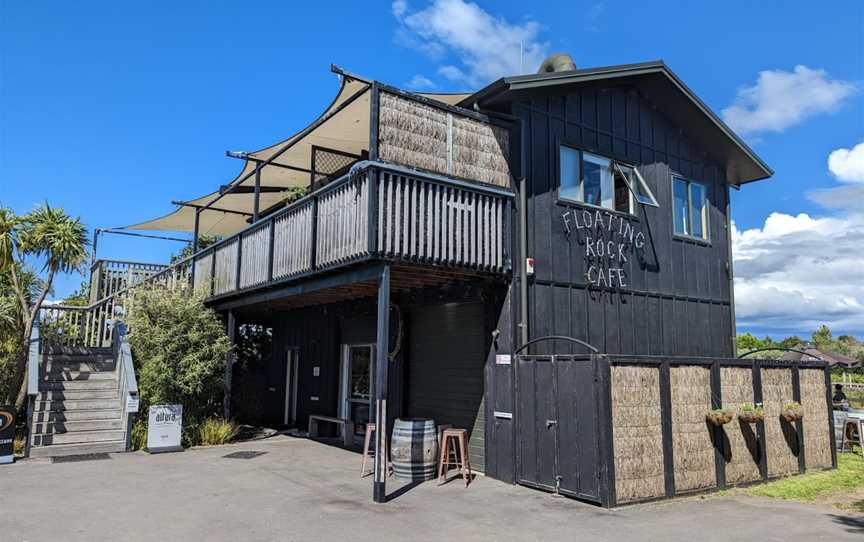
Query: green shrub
(18, 446)
(139, 435)
(179, 347)
(216, 431)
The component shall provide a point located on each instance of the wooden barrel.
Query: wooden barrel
(414, 449)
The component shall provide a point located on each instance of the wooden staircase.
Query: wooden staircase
(79, 408)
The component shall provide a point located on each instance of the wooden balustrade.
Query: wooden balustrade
(392, 214)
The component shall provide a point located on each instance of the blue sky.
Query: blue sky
(113, 109)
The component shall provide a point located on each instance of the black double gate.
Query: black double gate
(558, 447)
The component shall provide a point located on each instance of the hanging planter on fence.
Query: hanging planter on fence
(750, 413)
(719, 416)
(792, 412)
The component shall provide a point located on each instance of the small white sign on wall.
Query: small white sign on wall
(132, 403)
(164, 427)
(316, 371)
(502, 359)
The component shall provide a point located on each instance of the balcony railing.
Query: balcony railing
(376, 211)
(107, 277)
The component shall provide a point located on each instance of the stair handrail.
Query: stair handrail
(126, 382)
(33, 355)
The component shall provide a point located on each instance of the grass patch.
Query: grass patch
(848, 476)
(215, 431)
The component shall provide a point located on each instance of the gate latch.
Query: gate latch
(550, 423)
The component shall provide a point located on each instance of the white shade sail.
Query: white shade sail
(343, 126)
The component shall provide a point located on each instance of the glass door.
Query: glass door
(357, 385)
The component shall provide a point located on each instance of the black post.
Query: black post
(95, 244)
(195, 244)
(229, 366)
(666, 427)
(760, 426)
(256, 205)
(799, 425)
(717, 430)
(382, 349)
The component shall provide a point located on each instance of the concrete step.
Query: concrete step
(78, 437)
(77, 395)
(58, 450)
(70, 385)
(77, 415)
(77, 404)
(57, 427)
(76, 376)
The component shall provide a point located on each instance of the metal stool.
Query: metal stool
(455, 443)
(367, 440)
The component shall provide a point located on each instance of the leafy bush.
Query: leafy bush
(216, 431)
(18, 446)
(139, 435)
(179, 347)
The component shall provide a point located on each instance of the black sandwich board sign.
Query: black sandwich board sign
(7, 434)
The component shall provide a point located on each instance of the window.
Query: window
(595, 180)
(689, 208)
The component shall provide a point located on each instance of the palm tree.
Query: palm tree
(49, 235)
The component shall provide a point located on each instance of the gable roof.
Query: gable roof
(659, 85)
(831, 358)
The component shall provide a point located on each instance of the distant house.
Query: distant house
(833, 359)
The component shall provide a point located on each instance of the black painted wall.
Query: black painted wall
(676, 299)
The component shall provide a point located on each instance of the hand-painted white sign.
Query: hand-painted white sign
(132, 403)
(608, 239)
(164, 428)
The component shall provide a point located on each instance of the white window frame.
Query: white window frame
(688, 220)
(645, 197)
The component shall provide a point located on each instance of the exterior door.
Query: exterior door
(557, 425)
(356, 385)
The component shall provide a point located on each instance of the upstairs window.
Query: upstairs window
(602, 182)
(689, 208)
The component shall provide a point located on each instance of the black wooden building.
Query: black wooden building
(443, 233)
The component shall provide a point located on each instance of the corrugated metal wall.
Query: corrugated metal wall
(446, 357)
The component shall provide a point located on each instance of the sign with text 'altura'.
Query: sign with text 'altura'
(609, 240)
(164, 428)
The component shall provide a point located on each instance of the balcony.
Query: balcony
(373, 212)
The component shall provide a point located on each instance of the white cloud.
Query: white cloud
(848, 164)
(486, 47)
(781, 99)
(419, 82)
(797, 272)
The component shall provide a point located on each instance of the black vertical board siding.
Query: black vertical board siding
(527, 452)
(612, 321)
(596, 324)
(561, 320)
(669, 323)
(625, 324)
(499, 397)
(641, 325)
(579, 316)
(654, 315)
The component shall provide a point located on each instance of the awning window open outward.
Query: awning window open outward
(637, 185)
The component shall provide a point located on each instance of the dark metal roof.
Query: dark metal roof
(831, 358)
(659, 85)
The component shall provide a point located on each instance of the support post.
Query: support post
(257, 203)
(195, 244)
(229, 366)
(381, 351)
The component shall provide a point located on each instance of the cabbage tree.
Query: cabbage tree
(55, 240)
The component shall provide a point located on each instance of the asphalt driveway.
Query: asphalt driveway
(295, 489)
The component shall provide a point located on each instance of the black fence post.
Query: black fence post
(603, 398)
(760, 426)
(719, 443)
(799, 425)
(666, 427)
(831, 428)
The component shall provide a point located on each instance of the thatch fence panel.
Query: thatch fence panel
(693, 450)
(637, 433)
(442, 141)
(740, 446)
(817, 433)
(780, 436)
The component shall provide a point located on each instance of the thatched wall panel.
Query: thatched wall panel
(637, 433)
(817, 432)
(480, 151)
(780, 436)
(693, 451)
(418, 135)
(412, 133)
(740, 448)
